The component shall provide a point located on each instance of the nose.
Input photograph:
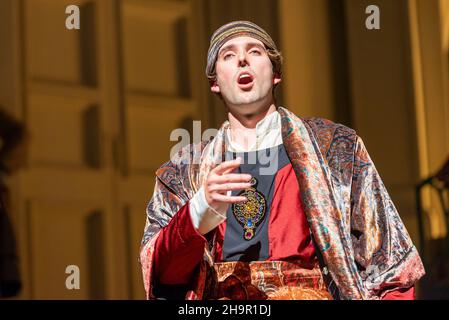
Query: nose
(242, 59)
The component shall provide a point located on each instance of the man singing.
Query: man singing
(275, 206)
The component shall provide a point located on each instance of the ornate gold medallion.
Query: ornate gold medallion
(251, 212)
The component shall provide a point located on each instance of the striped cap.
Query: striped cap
(232, 30)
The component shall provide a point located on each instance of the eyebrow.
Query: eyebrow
(232, 46)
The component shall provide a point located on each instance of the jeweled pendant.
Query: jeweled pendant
(251, 212)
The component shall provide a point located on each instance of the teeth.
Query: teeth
(245, 76)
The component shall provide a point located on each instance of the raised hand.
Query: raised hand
(221, 180)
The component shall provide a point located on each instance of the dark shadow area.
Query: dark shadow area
(96, 256)
(182, 58)
(91, 137)
(339, 61)
(87, 44)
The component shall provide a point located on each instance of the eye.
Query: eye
(255, 51)
(227, 56)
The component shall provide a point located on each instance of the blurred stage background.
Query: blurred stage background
(100, 102)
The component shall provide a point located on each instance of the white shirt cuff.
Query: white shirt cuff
(204, 218)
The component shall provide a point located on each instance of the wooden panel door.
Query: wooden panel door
(67, 207)
(160, 94)
(100, 104)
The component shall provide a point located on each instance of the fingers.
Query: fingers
(227, 166)
(229, 186)
(220, 181)
(230, 177)
(228, 199)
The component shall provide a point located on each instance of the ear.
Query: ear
(277, 78)
(214, 86)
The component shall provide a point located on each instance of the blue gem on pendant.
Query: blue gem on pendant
(249, 223)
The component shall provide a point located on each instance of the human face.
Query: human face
(244, 73)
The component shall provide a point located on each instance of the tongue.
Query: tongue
(245, 80)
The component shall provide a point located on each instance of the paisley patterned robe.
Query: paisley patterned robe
(362, 242)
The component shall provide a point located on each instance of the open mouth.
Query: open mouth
(245, 80)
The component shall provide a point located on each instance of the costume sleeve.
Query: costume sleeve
(400, 294)
(385, 255)
(168, 234)
(178, 250)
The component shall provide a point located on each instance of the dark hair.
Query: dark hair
(12, 134)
